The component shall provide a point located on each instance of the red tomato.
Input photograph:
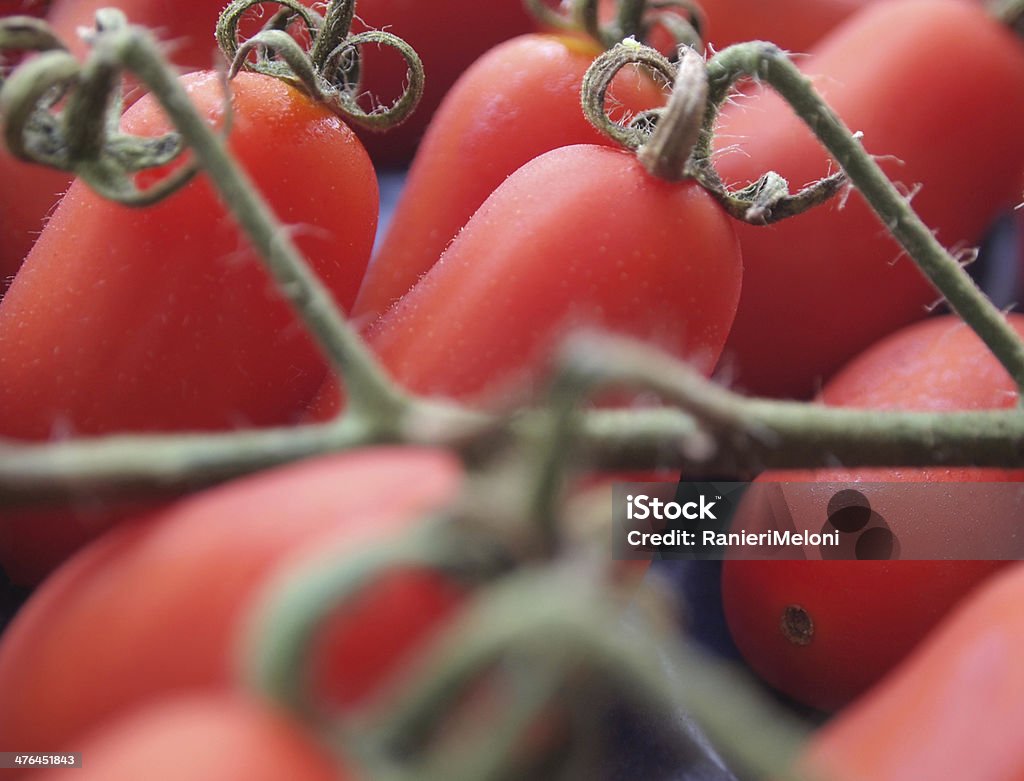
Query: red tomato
(27, 194)
(954, 709)
(516, 102)
(189, 36)
(163, 318)
(19, 7)
(824, 631)
(794, 25)
(580, 236)
(155, 607)
(448, 35)
(222, 738)
(827, 284)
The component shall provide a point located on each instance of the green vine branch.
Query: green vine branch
(576, 629)
(769, 199)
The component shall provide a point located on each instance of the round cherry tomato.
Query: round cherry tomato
(953, 709)
(582, 236)
(156, 606)
(519, 100)
(824, 631)
(823, 286)
(202, 738)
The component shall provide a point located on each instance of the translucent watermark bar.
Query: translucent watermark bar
(824, 521)
(15, 760)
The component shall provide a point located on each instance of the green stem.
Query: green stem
(666, 154)
(560, 617)
(368, 389)
(141, 463)
(753, 434)
(768, 63)
(285, 626)
(1009, 12)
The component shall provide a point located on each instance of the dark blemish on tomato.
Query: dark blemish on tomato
(797, 625)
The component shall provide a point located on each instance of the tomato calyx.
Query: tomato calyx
(674, 143)
(63, 114)
(329, 69)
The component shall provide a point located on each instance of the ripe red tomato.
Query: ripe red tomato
(18, 7)
(191, 44)
(581, 236)
(429, 29)
(827, 284)
(824, 631)
(27, 194)
(519, 100)
(794, 25)
(155, 607)
(954, 709)
(163, 318)
(228, 738)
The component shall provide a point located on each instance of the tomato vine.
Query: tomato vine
(706, 427)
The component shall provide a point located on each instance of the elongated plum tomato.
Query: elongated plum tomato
(156, 606)
(223, 737)
(519, 100)
(824, 631)
(953, 709)
(831, 282)
(164, 318)
(581, 236)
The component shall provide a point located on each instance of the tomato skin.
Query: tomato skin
(869, 614)
(162, 319)
(202, 738)
(954, 709)
(125, 603)
(27, 194)
(519, 100)
(429, 28)
(664, 268)
(794, 25)
(23, 7)
(825, 284)
(189, 36)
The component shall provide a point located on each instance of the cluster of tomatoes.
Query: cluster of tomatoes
(518, 221)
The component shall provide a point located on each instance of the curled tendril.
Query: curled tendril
(65, 114)
(672, 145)
(598, 80)
(229, 38)
(330, 70)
